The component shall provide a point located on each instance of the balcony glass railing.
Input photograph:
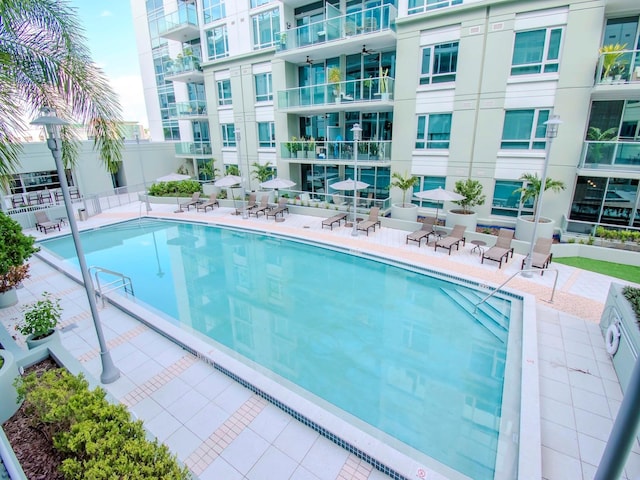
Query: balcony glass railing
(178, 65)
(618, 67)
(421, 6)
(188, 109)
(339, 150)
(193, 148)
(186, 15)
(367, 90)
(366, 21)
(611, 155)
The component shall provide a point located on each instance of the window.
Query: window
(257, 3)
(217, 43)
(212, 10)
(524, 129)
(264, 88)
(228, 134)
(266, 28)
(439, 63)
(224, 92)
(428, 183)
(266, 134)
(434, 130)
(536, 51)
(419, 6)
(506, 200)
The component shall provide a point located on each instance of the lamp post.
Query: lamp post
(144, 181)
(244, 194)
(552, 132)
(52, 124)
(357, 134)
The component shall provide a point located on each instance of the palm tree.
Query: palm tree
(262, 173)
(44, 62)
(403, 182)
(531, 188)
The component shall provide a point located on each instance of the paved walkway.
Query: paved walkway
(222, 430)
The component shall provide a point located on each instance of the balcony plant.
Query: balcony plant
(293, 146)
(610, 56)
(334, 76)
(384, 83)
(15, 250)
(40, 319)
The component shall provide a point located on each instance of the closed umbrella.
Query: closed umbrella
(349, 184)
(440, 195)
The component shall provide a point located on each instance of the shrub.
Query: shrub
(40, 317)
(96, 438)
(633, 295)
(181, 188)
(15, 249)
(472, 192)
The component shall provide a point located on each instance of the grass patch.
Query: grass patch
(618, 270)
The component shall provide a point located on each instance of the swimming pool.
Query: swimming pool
(389, 346)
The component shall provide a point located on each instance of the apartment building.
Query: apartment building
(442, 89)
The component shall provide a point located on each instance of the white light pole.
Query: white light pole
(357, 133)
(144, 181)
(244, 194)
(52, 124)
(552, 132)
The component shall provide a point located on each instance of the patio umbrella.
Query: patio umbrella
(229, 181)
(277, 183)
(349, 184)
(440, 195)
(173, 177)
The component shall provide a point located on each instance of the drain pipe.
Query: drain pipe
(623, 434)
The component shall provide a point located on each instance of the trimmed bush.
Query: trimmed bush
(96, 438)
(633, 295)
(181, 188)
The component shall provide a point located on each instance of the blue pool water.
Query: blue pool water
(394, 347)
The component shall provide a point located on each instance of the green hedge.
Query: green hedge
(622, 235)
(97, 439)
(181, 188)
(633, 295)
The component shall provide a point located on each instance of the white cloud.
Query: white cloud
(106, 13)
(131, 94)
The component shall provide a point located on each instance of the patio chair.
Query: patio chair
(262, 208)
(426, 230)
(251, 203)
(213, 201)
(43, 223)
(331, 221)
(278, 209)
(454, 238)
(542, 255)
(501, 250)
(195, 199)
(371, 222)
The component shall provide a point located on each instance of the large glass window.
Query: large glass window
(217, 42)
(536, 51)
(610, 201)
(257, 3)
(224, 92)
(506, 199)
(428, 183)
(212, 10)
(266, 134)
(434, 130)
(266, 28)
(524, 129)
(439, 63)
(419, 6)
(228, 134)
(264, 87)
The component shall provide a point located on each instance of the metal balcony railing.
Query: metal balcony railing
(376, 89)
(366, 21)
(613, 155)
(368, 151)
(618, 67)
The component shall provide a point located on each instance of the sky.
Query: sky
(108, 26)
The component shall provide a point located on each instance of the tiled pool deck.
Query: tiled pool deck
(222, 430)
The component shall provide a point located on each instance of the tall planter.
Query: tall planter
(456, 217)
(8, 373)
(8, 298)
(525, 224)
(407, 211)
(53, 337)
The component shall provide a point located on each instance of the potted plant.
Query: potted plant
(262, 173)
(610, 55)
(15, 249)
(531, 191)
(334, 76)
(597, 150)
(311, 148)
(384, 84)
(473, 196)
(404, 211)
(40, 320)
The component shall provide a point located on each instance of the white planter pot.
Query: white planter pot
(469, 220)
(8, 298)
(524, 228)
(8, 373)
(407, 212)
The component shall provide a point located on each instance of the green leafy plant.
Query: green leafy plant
(208, 170)
(262, 173)
(533, 184)
(405, 183)
(180, 188)
(334, 76)
(15, 249)
(632, 294)
(610, 55)
(95, 438)
(472, 192)
(40, 317)
(384, 80)
(233, 170)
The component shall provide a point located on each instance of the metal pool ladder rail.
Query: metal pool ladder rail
(118, 281)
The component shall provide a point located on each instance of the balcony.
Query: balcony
(618, 68)
(615, 155)
(369, 94)
(336, 151)
(181, 25)
(184, 69)
(193, 149)
(187, 110)
(377, 22)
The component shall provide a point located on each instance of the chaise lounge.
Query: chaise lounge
(43, 223)
(213, 201)
(331, 221)
(371, 222)
(542, 255)
(278, 209)
(426, 230)
(501, 250)
(454, 238)
(262, 208)
(195, 199)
